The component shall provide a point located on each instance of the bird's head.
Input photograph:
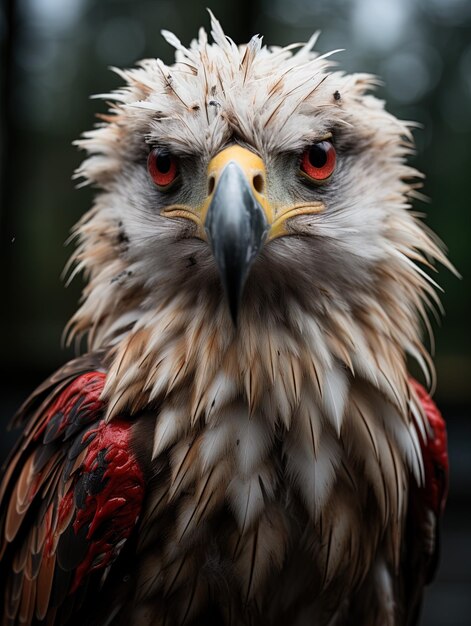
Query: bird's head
(253, 194)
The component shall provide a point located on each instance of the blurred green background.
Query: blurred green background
(55, 53)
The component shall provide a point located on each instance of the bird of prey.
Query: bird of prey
(242, 442)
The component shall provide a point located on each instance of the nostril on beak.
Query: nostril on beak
(258, 182)
(211, 184)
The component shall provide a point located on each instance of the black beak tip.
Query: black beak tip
(234, 311)
(233, 283)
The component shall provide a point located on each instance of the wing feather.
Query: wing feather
(426, 505)
(70, 497)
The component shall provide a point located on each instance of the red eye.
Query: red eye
(318, 161)
(162, 167)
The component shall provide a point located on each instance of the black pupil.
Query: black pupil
(318, 154)
(163, 162)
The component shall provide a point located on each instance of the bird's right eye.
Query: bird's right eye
(162, 167)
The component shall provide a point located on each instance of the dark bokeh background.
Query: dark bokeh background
(55, 53)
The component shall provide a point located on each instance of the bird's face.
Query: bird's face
(239, 208)
(261, 175)
(246, 197)
(244, 180)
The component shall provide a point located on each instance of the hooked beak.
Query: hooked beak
(236, 224)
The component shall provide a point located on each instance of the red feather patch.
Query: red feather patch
(70, 497)
(435, 453)
(113, 508)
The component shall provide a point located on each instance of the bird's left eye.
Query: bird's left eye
(162, 167)
(318, 161)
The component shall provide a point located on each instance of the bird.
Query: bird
(241, 442)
